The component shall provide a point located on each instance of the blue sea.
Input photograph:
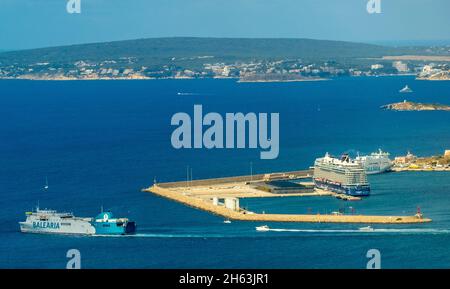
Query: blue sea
(100, 142)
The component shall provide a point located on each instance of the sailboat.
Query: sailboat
(46, 184)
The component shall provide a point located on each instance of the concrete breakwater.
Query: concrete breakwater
(235, 179)
(183, 196)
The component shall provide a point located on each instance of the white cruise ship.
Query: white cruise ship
(343, 176)
(375, 163)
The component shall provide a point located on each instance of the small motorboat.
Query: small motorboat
(405, 89)
(366, 229)
(264, 228)
(227, 221)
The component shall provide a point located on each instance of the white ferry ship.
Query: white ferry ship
(343, 176)
(52, 222)
(375, 163)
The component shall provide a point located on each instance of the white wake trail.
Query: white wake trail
(392, 231)
(150, 235)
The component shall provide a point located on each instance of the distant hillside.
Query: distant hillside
(188, 57)
(156, 51)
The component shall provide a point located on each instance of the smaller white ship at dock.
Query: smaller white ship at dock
(375, 163)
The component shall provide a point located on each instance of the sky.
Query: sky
(28, 24)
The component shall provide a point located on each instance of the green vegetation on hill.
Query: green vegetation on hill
(189, 57)
(157, 51)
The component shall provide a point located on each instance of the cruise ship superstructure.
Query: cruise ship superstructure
(342, 175)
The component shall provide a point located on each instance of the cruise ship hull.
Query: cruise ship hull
(360, 191)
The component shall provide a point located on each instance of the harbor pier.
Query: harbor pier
(208, 194)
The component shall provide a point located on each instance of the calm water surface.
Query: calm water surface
(101, 142)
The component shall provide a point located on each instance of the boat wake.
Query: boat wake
(388, 231)
(150, 235)
(307, 231)
(189, 93)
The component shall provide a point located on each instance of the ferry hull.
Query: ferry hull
(56, 228)
(114, 228)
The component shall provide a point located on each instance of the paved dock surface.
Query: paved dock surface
(188, 197)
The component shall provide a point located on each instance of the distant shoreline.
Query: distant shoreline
(238, 80)
(159, 78)
(282, 80)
